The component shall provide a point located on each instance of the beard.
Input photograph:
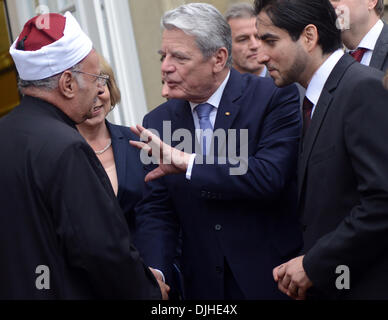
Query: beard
(293, 74)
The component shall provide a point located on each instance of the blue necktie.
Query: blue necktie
(203, 111)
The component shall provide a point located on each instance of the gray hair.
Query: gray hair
(50, 83)
(240, 10)
(205, 23)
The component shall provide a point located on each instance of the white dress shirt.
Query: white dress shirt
(369, 42)
(263, 72)
(320, 77)
(214, 100)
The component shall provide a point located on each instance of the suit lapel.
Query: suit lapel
(308, 142)
(228, 108)
(183, 119)
(381, 49)
(119, 153)
(319, 115)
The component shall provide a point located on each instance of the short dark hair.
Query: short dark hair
(294, 15)
(379, 8)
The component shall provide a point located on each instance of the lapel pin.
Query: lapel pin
(227, 114)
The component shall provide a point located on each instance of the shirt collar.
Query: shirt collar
(263, 72)
(215, 99)
(320, 77)
(370, 39)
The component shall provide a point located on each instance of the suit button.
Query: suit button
(304, 228)
(218, 227)
(219, 270)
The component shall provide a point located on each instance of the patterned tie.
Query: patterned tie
(358, 54)
(203, 111)
(307, 109)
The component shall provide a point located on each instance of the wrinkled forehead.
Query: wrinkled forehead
(176, 39)
(91, 63)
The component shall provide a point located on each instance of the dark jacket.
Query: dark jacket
(245, 222)
(129, 170)
(343, 184)
(58, 210)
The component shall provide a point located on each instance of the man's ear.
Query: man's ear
(372, 4)
(67, 85)
(220, 59)
(310, 37)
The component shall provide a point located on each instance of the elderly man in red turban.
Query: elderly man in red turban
(62, 232)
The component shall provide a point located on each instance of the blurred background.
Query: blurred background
(126, 32)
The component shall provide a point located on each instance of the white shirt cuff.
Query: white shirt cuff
(190, 166)
(161, 273)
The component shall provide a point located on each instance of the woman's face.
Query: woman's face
(101, 109)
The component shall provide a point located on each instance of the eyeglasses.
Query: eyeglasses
(102, 79)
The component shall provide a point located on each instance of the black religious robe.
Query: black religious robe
(62, 232)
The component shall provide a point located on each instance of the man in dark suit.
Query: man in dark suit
(62, 233)
(364, 34)
(342, 175)
(237, 217)
(245, 44)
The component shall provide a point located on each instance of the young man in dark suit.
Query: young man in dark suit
(237, 219)
(342, 175)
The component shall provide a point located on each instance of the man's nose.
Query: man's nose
(262, 57)
(167, 66)
(253, 43)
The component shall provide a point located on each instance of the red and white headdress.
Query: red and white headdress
(48, 45)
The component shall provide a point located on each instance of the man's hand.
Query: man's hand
(170, 159)
(164, 288)
(292, 279)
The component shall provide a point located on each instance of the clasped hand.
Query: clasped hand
(292, 279)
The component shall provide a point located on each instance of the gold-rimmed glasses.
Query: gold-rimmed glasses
(101, 78)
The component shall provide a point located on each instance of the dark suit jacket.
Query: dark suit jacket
(58, 210)
(380, 53)
(249, 220)
(129, 170)
(343, 184)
